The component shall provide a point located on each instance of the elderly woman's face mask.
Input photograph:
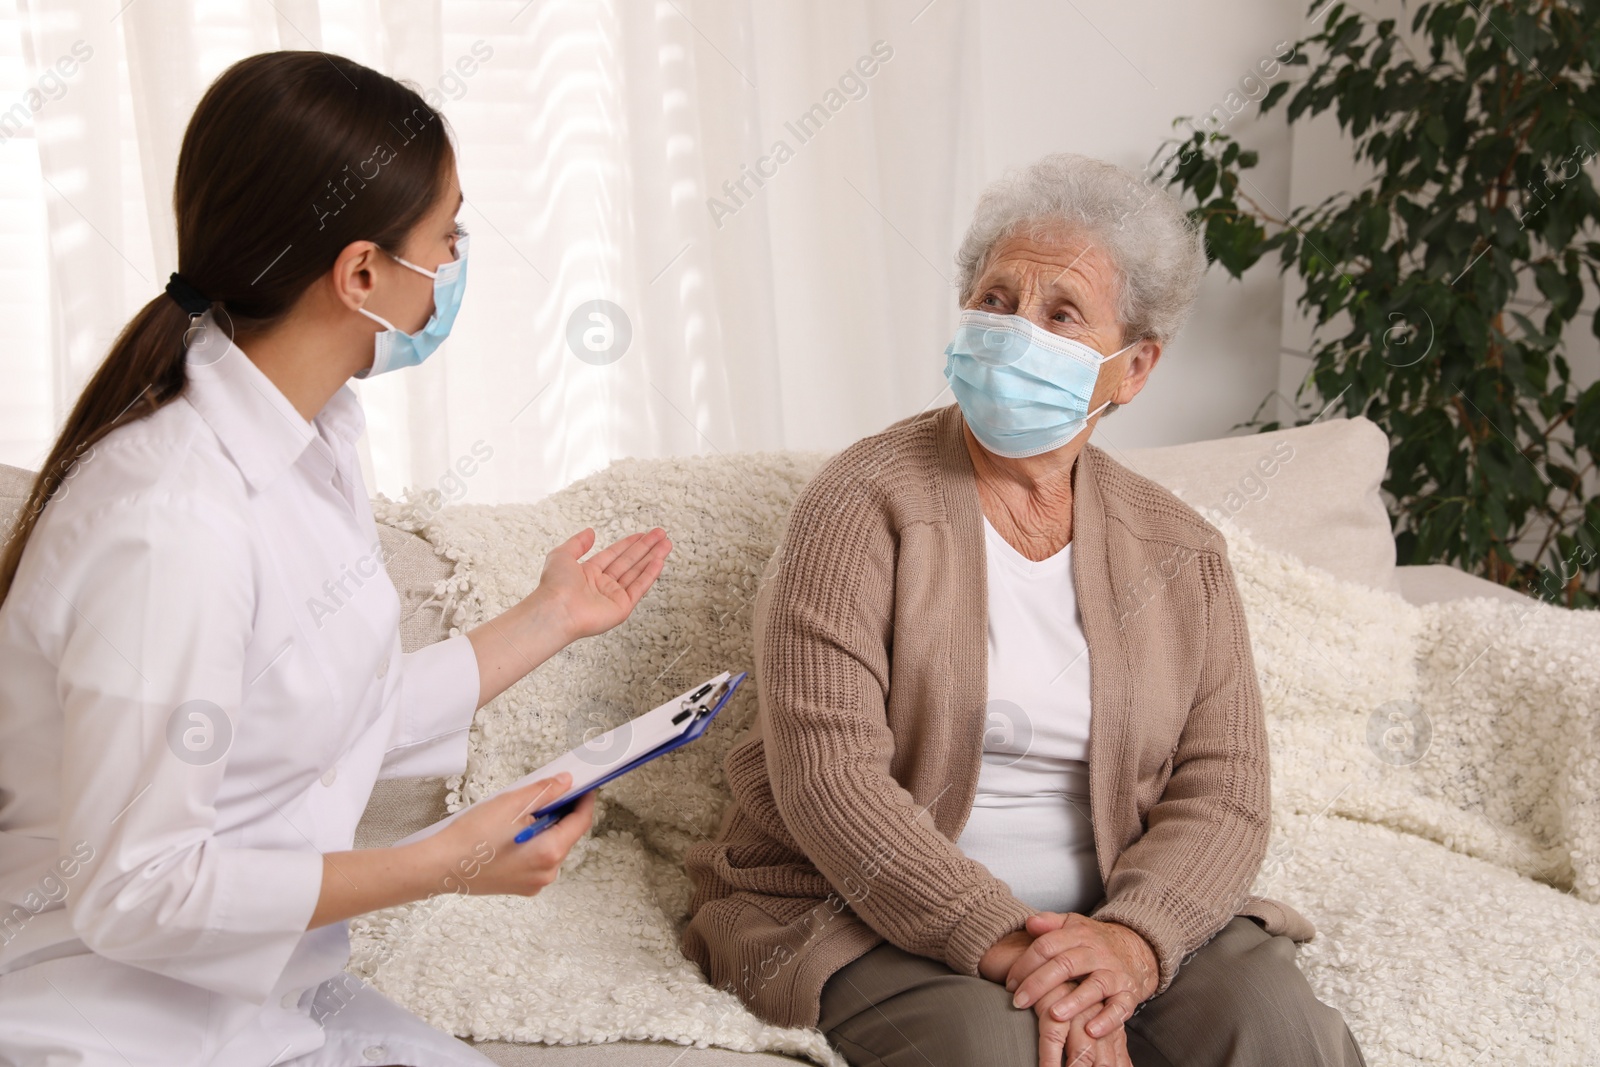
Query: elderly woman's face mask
(1022, 389)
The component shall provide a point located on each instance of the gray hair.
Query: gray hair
(1154, 246)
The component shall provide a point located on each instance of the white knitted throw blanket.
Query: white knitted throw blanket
(1435, 774)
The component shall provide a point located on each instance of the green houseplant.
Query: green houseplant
(1443, 290)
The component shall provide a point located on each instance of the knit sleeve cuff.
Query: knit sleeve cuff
(981, 927)
(1155, 924)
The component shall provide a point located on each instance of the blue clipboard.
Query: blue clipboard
(558, 809)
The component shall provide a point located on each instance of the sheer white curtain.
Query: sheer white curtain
(765, 193)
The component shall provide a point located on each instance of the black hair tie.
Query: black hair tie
(187, 296)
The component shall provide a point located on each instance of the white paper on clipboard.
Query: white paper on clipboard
(604, 753)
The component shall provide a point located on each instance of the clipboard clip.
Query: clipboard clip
(698, 703)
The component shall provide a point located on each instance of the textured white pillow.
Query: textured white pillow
(1311, 491)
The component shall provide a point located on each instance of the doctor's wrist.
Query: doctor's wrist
(542, 622)
(440, 864)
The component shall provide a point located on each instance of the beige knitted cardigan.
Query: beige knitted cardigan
(859, 771)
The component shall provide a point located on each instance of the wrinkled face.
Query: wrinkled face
(1060, 280)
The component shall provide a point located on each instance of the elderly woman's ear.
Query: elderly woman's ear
(1137, 363)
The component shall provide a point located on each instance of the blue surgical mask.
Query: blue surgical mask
(394, 348)
(1022, 389)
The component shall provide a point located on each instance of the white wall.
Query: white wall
(1106, 78)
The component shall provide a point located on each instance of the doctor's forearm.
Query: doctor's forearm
(368, 879)
(510, 645)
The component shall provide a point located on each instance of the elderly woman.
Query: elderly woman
(991, 809)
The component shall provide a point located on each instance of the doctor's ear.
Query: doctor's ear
(352, 276)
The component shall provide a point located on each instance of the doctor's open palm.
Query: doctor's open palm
(575, 598)
(596, 594)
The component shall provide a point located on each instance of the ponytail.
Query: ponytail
(143, 371)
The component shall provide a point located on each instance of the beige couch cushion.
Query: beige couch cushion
(14, 485)
(1311, 491)
(1434, 583)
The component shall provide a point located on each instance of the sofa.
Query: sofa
(1312, 492)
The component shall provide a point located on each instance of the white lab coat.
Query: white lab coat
(200, 682)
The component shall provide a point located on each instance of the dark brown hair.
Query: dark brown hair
(289, 157)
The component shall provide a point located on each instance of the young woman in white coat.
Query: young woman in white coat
(200, 667)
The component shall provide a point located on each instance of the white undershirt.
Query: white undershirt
(1030, 819)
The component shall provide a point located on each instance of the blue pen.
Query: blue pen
(539, 825)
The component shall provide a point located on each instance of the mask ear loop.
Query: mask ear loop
(379, 319)
(1107, 359)
(424, 271)
(1118, 352)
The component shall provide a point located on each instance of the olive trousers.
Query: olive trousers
(1240, 1001)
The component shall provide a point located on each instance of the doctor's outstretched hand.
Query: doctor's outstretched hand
(600, 592)
(575, 598)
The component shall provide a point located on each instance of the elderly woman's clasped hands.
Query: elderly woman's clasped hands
(1066, 965)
